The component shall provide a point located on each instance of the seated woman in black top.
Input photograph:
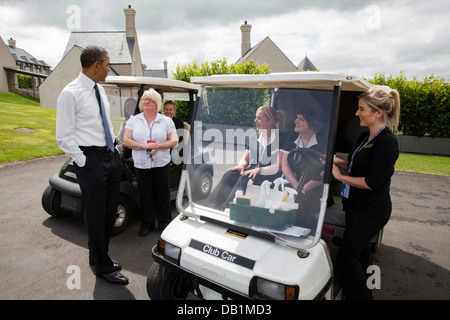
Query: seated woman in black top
(306, 180)
(259, 164)
(366, 198)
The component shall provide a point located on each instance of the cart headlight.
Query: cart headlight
(266, 289)
(169, 250)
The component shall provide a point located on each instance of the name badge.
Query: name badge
(345, 190)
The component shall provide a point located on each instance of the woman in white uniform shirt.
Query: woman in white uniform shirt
(151, 136)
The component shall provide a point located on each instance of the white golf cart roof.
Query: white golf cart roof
(306, 80)
(163, 84)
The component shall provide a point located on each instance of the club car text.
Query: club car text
(222, 254)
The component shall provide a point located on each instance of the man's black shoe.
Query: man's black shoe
(116, 265)
(115, 277)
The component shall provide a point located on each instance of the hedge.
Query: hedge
(425, 105)
(25, 82)
(185, 72)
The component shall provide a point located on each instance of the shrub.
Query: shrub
(196, 69)
(425, 105)
(25, 82)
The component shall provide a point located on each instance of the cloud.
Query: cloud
(43, 41)
(338, 36)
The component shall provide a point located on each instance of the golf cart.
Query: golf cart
(63, 195)
(283, 247)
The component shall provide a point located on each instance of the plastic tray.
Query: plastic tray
(278, 220)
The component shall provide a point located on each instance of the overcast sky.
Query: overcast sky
(351, 36)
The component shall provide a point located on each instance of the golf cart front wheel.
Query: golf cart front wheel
(163, 284)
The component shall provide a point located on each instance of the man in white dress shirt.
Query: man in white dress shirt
(83, 136)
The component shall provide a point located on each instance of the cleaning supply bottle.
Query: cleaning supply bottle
(292, 193)
(265, 186)
(281, 182)
(285, 195)
(239, 193)
(277, 182)
(252, 191)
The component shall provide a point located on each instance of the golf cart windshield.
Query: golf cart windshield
(269, 163)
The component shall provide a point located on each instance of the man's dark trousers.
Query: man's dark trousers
(99, 181)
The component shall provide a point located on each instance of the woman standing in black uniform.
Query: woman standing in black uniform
(366, 199)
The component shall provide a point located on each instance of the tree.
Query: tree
(196, 69)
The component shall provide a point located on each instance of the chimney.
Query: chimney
(130, 15)
(165, 65)
(12, 42)
(246, 45)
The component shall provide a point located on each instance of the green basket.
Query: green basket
(278, 220)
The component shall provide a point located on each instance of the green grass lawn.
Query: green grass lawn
(422, 163)
(20, 112)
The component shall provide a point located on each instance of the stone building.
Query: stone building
(122, 47)
(266, 51)
(15, 60)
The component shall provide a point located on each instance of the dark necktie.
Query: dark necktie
(109, 139)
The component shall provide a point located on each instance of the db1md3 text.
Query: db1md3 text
(246, 309)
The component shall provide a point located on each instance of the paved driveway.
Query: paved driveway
(36, 250)
(415, 256)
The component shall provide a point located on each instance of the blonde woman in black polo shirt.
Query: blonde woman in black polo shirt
(366, 199)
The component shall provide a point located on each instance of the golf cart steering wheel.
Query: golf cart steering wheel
(306, 162)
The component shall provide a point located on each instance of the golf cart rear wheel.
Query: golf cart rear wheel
(203, 185)
(51, 202)
(163, 284)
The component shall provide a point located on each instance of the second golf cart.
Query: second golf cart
(63, 195)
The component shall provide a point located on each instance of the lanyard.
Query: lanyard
(150, 127)
(345, 187)
(363, 144)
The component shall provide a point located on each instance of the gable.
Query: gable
(67, 69)
(115, 42)
(306, 65)
(266, 51)
(6, 58)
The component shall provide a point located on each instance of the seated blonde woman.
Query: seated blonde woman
(257, 163)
